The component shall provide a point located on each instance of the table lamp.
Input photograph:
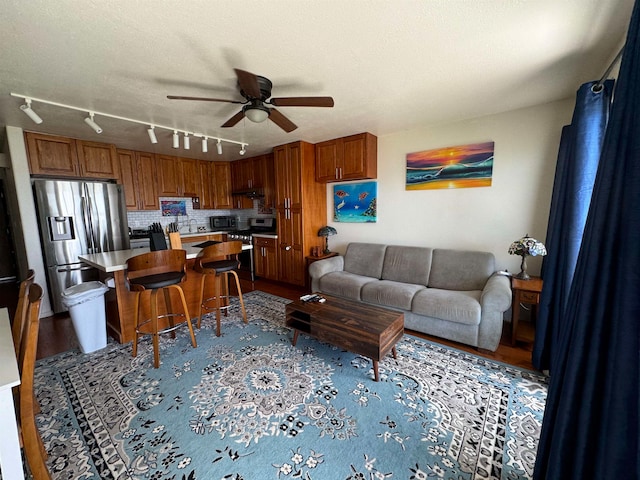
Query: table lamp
(326, 232)
(526, 246)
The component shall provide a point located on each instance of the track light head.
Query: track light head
(152, 134)
(26, 108)
(176, 139)
(243, 150)
(187, 144)
(89, 121)
(205, 147)
(219, 147)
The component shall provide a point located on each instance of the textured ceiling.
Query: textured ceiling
(389, 65)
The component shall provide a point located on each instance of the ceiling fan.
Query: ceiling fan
(256, 91)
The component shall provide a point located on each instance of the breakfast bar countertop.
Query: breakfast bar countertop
(115, 261)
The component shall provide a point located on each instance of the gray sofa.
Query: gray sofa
(452, 294)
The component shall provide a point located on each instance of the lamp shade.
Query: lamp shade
(526, 246)
(327, 231)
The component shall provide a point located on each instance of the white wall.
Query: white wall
(26, 221)
(484, 218)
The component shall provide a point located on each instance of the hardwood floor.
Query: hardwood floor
(57, 334)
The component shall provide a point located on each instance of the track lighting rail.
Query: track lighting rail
(150, 125)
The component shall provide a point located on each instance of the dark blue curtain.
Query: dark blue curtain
(578, 157)
(591, 424)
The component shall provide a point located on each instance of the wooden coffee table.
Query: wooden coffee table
(357, 327)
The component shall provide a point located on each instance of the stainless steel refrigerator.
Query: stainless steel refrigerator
(75, 218)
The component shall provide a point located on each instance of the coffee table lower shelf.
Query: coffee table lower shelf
(356, 327)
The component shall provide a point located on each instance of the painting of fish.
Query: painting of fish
(462, 166)
(355, 202)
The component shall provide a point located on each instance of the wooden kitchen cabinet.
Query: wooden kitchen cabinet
(97, 160)
(206, 185)
(222, 185)
(190, 178)
(52, 155)
(169, 176)
(348, 158)
(137, 175)
(265, 257)
(67, 157)
(301, 208)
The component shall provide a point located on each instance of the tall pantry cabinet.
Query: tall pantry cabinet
(301, 208)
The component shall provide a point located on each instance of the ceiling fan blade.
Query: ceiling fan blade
(248, 83)
(233, 120)
(283, 122)
(204, 99)
(302, 102)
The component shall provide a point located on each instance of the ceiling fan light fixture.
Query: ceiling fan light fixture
(219, 147)
(26, 108)
(256, 113)
(152, 134)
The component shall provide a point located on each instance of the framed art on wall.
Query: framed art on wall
(462, 166)
(355, 202)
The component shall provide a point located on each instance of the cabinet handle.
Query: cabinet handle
(341, 173)
(336, 176)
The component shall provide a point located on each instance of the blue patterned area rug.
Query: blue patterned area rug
(249, 405)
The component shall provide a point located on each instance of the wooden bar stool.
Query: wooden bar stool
(219, 261)
(157, 271)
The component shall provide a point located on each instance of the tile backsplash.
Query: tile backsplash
(144, 218)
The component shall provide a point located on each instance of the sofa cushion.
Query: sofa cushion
(344, 284)
(460, 269)
(364, 259)
(407, 264)
(387, 293)
(455, 306)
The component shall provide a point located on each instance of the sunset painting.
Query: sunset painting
(463, 166)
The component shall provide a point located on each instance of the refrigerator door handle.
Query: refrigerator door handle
(75, 269)
(88, 223)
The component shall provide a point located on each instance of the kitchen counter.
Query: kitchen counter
(120, 301)
(110, 262)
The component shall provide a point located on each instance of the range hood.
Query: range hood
(251, 193)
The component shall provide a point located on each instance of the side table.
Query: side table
(310, 259)
(524, 292)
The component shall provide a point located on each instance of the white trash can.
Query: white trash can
(85, 302)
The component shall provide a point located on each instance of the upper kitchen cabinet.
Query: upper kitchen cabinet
(348, 158)
(253, 178)
(138, 176)
(67, 157)
(190, 177)
(222, 185)
(169, 176)
(207, 185)
(98, 160)
(178, 177)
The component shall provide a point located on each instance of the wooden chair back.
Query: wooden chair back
(219, 251)
(32, 443)
(20, 318)
(153, 263)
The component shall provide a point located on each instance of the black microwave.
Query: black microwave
(226, 222)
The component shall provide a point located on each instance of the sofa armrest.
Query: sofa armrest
(496, 294)
(495, 299)
(320, 268)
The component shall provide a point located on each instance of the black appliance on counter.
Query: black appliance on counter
(223, 222)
